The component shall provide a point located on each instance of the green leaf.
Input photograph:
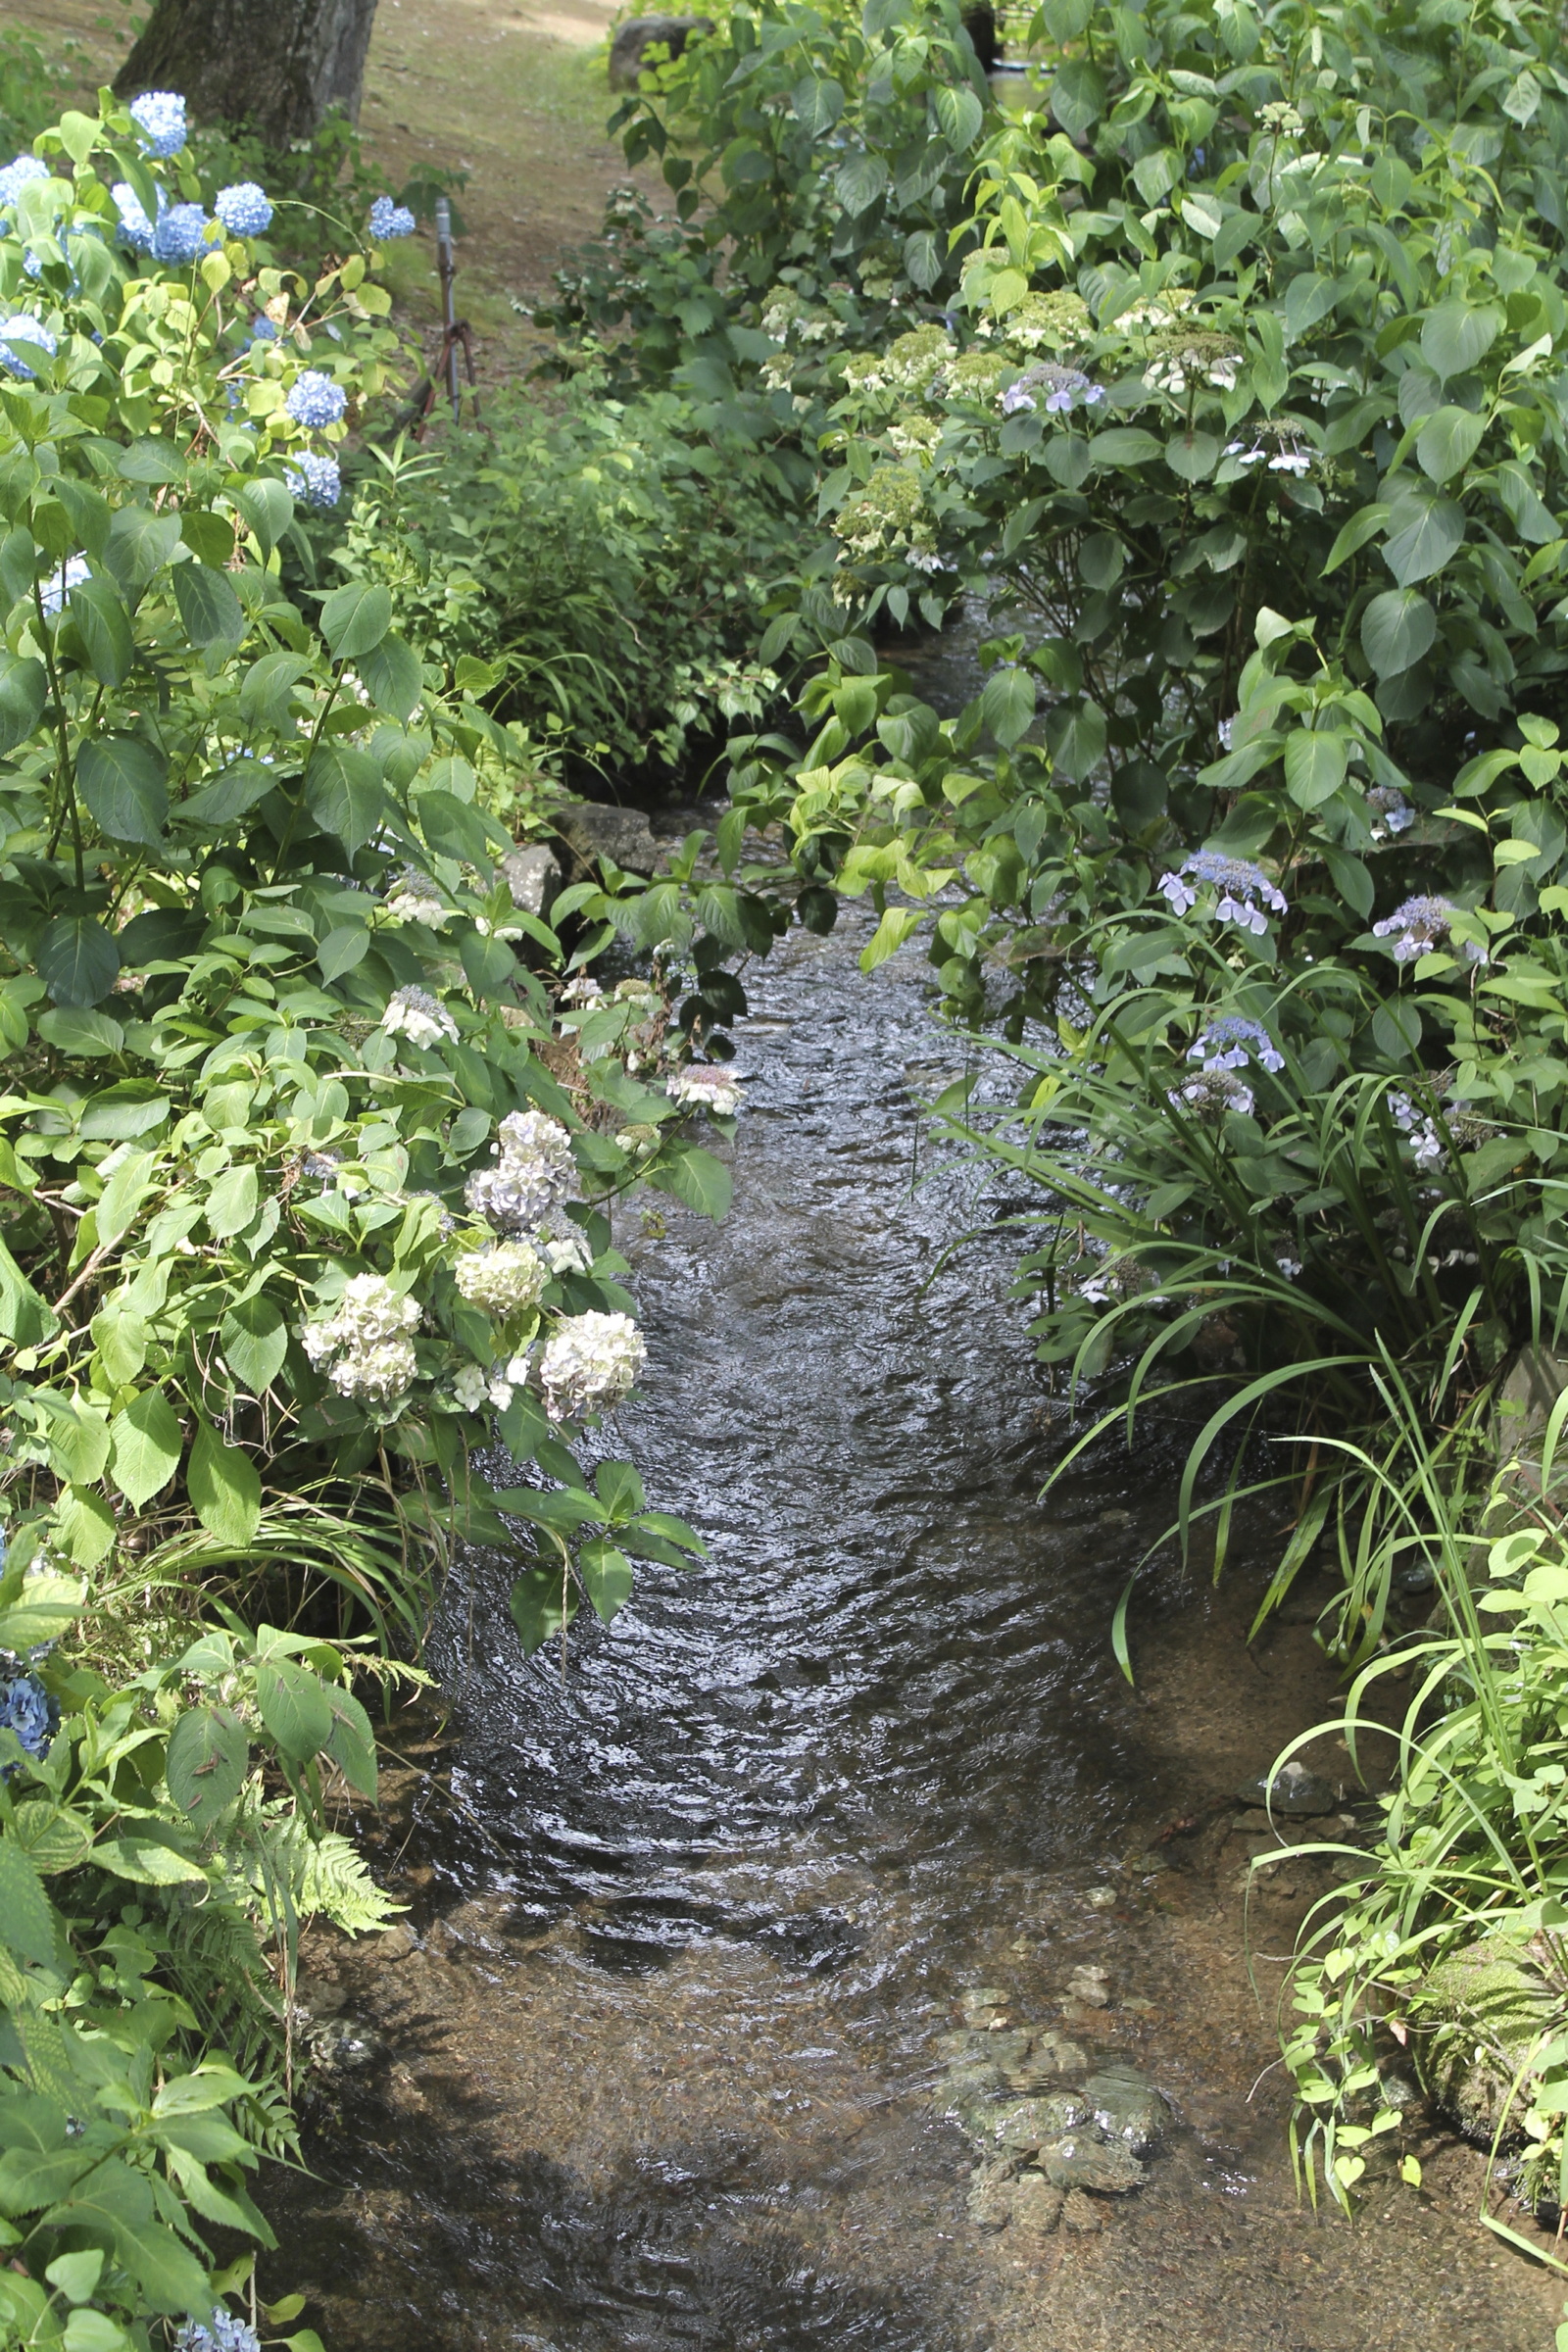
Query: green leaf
(145, 1445)
(1007, 705)
(103, 627)
(269, 509)
(267, 685)
(212, 612)
(28, 1925)
(818, 102)
(344, 793)
(858, 182)
(229, 796)
(232, 1202)
(124, 784)
(542, 1603)
(139, 545)
(1202, 213)
(959, 115)
(621, 1490)
(294, 1708)
(1456, 335)
(23, 1315)
(1355, 534)
(1075, 736)
(922, 266)
(341, 949)
(1447, 441)
(607, 1576)
(1315, 761)
(254, 1337)
(1124, 445)
(892, 931)
(77, 960)
(1078, 98)
(24, 690)
(1396, 1028)
(84, 1525)
(356, 618)
(453, 828)
(1192, 456)
(84, 1036)
(147, 1862)
(488, 964)
(1397, 628)
(352, 1743)
(209, 1756)
(49, 1607)
(392, 677)
(1425, 544)
(226, 1491)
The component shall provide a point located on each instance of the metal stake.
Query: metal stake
(448, 268)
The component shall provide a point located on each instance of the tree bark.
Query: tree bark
(275, 66)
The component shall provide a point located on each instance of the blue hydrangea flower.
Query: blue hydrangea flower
(1420, 927)
(26, 1709)
(16, 176)
(160, 118)
(1242, 890)
(15, 335)
(245, 210)
(314, 480)
(1059, 389)
(1214, 1092)
(315, 400)
(388, 221)
(1426, 1144)
(53, 593)
(180, 236)
(135, 230)
(1232, 1042)
(224, 2333)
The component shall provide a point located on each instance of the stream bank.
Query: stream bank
(671, 2050)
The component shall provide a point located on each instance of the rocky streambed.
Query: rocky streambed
(837, 1952)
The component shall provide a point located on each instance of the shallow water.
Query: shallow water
(659, 2063)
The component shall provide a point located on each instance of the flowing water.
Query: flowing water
(663, 2055)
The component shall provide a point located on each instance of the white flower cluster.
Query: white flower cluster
(589, 1363)
(706, 1086)
(533, 1173)
(417, 900)
(473, 1387)
(364, 1345)
(563, 1245)
(1175, 373)
(502, 1280)
(414, 1013)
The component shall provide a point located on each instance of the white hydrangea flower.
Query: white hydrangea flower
(469, 1388)
(504, 1280)
(565, 1245)
(365, 1343)
(417, 900)
(533, 1173)
(414, 1013)
(590, 1362)
(706, 1086)
(503, 1383)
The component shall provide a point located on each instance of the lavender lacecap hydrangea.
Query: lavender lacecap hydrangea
(1057, 390)
(1419, 927)
(1216, 1091)
(1389, 808)
(1232, 1042)
(1243, 890)
(224, 2332)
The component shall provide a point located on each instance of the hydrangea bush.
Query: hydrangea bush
(307, 1171)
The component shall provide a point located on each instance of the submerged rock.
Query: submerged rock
(1036, 2204)
(1080, 2213)
(1088, 2159)
(1090, 1986)
(1294, 1792)
(1490, 2006)
(1028, 2126)
(1127, 2107)
(637, 37)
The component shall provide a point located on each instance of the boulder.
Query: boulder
(597, 829)
(639, 34)
(1534, 1382)
(1087, 2159)
(1036, 2205)
(1080, 2213)
(533, 877)
(1491, 2007)
(1090, 1986)
(1293, 1791)
(1028, 2126)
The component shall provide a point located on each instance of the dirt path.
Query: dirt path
(510, 91)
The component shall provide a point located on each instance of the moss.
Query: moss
(1489, 2007)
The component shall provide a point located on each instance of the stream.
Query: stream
(705, 1930)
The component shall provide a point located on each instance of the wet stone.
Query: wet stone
(1080, 2213)
(978, 2004)
(1127, 2107)
(1028, 2126)
(1036, 2204)
(1294, 1792)
(1092, 1987)
(989, 2199)
(1087, 2159)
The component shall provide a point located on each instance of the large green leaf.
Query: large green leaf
(145, 1443)
(212, 612)
(269, 509)
(266, 692)
(959, 115)
(103, 627)
(607, 1576)
(344, 793)
(225, 1488)
(139, 545)
(1397, 628)
(1075, 734)
(232, 1202)
(209, 1756)
(1457, 334)
(1421, 544)
(541, 1602)
(858, 182)
(254, 1337)
(294, 1708)
(696, 1177)
(1447, 441)
(78, 960)
(1315, 761)
(124, 782)
(392, 678)
(356, 618)
(1078, 98)
(23, 689)
(1125, 445)
(453, 828)
(229, 796)
(351, 1744)
(1007, 705)
(27, 1923)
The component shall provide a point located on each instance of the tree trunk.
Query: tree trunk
(276, 66)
